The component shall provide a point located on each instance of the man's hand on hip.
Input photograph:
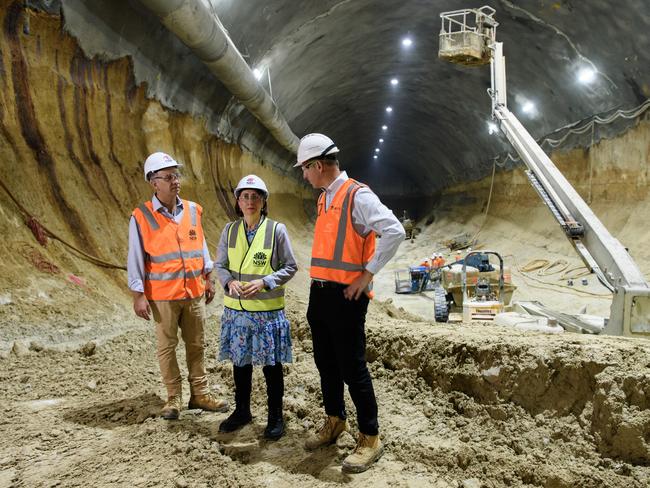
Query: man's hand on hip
(141, 306)
(358, 286)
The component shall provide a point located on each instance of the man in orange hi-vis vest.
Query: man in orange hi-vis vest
(344, 259)
(169, 274)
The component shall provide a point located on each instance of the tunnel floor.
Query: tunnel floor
(460, 405)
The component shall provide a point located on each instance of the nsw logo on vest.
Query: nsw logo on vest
(259, 258)
(192, 235)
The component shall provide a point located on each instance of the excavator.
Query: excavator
(468, 37)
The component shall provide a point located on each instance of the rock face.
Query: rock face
(74, 133)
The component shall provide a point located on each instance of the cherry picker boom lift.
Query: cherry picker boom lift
(468, 37)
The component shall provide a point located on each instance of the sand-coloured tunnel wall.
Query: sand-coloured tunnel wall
(74, 133)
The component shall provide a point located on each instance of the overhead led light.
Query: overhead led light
(528, 107)
(586, 75)
(389, 109)
(394, 82)
(257, 73)
(375, 157)
(407, 42)
(384, 127)
(380, 141)
(376, 149)
(492, 128)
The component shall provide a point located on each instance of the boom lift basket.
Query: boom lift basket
(464, 43)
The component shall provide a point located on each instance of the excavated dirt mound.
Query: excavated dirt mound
(459, 406)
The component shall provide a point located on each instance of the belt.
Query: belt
(327, 284)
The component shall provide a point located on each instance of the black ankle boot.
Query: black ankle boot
(274, 391)
(236, 420)
(242, 414)
(275, 425)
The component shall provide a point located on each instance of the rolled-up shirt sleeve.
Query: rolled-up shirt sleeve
(135, 258)
(283, 260)
(369, 214)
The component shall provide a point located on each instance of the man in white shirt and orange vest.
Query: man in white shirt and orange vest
(343, 261)
(169, 274)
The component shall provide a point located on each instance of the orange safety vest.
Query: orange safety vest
(339, 252)
(173, 252)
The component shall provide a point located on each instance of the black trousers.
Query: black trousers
(339, 339)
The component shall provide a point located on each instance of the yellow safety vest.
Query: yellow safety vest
(251, 262)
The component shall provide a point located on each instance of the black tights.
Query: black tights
(243, 376)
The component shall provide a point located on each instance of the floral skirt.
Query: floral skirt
(258, 338)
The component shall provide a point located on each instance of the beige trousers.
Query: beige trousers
(189, 315)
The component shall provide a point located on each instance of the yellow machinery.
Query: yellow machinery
(477, 286)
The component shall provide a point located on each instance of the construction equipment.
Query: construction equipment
(409, 226)
(413, 280)
(468, 37)
(482, 301)
(480, 288)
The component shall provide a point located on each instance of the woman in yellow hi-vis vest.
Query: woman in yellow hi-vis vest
(254, 261)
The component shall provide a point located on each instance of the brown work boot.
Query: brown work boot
(172, 409)
(208, 402)
(327, 434)
(368, 450)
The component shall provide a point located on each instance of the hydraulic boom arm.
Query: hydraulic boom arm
(473, 44)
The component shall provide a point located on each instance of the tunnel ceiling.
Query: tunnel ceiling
(331, 63)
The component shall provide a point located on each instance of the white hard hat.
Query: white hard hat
(156, 162)
(252, 182)
(315, 146)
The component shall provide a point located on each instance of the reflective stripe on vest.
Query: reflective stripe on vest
(341, 257)
(173, 252)
(252, 262)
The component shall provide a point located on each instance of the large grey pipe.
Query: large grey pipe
(200, 29)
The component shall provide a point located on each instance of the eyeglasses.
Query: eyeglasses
(308, 165)
(168, 178)
(253, 197)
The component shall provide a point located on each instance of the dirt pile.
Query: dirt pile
(458, 405)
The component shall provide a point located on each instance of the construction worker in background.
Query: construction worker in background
(426, 264)
(169, 274)
(343, 262)
(440, 261)
(459, 255)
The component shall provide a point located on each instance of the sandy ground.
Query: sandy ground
(460, 405)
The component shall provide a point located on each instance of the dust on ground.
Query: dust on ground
(459, 406)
